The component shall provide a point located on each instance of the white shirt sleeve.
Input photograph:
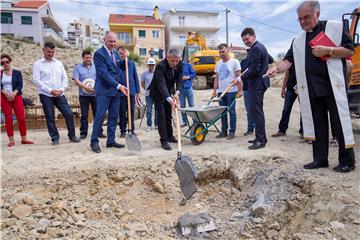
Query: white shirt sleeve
(64, 79)
(237, 65)
(37, 79)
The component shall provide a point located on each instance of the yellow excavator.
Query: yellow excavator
(354, 78)
(203, 60)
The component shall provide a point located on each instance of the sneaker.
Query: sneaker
(279, 134)
(156, 127)
(231, 136)
(148, 129)
(122, 135)
(102, 135)
(222, 135)
(82, 136)
(55, 142)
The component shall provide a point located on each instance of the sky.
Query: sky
(275, 22)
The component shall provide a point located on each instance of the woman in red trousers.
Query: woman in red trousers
(11, 86)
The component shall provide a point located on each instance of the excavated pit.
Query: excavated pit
(246, 199)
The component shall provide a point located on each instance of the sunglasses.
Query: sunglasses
(4, 62)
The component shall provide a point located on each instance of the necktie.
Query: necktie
(112, 57)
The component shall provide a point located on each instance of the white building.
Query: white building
(179, 23)
(30, 19)
(83, 33)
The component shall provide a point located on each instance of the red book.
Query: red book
(322, 40)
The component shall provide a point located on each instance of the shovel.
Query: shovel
(132, 141)
(184, 167)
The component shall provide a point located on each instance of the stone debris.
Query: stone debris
(195, 224)
(22, 211)
(42, 225)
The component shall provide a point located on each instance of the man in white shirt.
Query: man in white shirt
(50, 78)
(227, 70)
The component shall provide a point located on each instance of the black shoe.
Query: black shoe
(222, 135)
(279, 134)
(133, 133)
(122, 135)
(231, 136)
(172, 140)
(102, 135)
(256, 145)
(254, 140)
(166, 146)
(344, 168)
(95, 147)
(314, 165)
(82, 136)
(248, 133)
(74, 140)
(115, 145)
(55, 142)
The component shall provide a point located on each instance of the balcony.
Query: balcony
(49, 32)
(194, 29)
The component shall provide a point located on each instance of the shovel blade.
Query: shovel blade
(133, 143)
(186, 172)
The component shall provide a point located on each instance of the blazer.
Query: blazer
(165, 81)
(108, 73)
(133, 77)
(17, 81)
(258, 61)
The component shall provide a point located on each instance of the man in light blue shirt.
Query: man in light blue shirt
(86, 70)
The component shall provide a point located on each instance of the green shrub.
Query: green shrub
(135, 57)
(90, 49)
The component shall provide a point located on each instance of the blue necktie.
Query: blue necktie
(113, 57)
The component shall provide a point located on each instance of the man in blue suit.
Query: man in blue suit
(107, 87)
(134, 90)
(257, 84)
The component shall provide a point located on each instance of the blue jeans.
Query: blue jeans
(61, 103)
(250, 117)
(149, 105)
(290, 97)
(226, 101)
(186, 93)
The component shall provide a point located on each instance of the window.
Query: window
(29, 38)
(182, 40)
(142, 33)
(142, 51)
(6, 18)
(181, 20)
(156, 34)
(26, 20)
(124, 37)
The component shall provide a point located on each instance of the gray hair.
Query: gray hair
(314, 5)
(173, 52)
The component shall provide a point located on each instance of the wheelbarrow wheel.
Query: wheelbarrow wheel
(194, 131)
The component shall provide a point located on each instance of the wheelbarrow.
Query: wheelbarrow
(204, 118)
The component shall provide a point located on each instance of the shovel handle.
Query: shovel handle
(128, 96)
(178, 130)
(229, 87)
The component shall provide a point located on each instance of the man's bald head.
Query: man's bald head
(110, 39)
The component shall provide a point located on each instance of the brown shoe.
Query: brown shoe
(279, 134)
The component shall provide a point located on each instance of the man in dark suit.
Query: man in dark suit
(107, 87)
(134, 90)
(257, 84)
(168, 73)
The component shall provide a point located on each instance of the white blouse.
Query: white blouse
(7, 83)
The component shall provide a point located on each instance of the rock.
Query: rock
(275, 226)
(319, 230)
(4, 213)
(257, 220)
(121, 236)
(71, 220)
(158, 187)
(195, 224)
(337, 225)
(356, 221)
(272, 234)
(137, 227)
(2, 203)
(258, 211)
(117, 177)
(56, 223)
(129, 182)
(58, 205)
(42, 225)
(81, 209)
(106, 208)
(22, 211)
(80, 224)
(28, 200)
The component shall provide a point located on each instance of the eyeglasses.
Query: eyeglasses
(151, 64)
(4, 62)
(306, 18)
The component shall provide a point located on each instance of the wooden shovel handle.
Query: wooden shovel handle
(178, 127)
(128, 96)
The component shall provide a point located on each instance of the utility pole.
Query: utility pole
(227, 26)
